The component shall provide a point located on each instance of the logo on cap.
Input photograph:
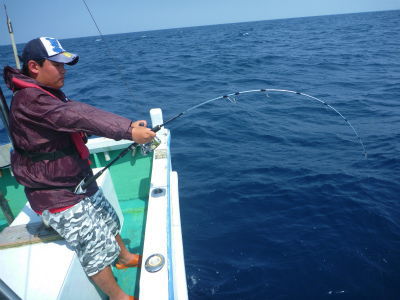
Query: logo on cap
(52, 46)
(67, 54)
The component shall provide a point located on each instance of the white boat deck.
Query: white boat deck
(49, 270)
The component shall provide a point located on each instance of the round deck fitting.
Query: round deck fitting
(158, 192)
(154, 263)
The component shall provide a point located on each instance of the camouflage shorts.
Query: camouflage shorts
(89, 227)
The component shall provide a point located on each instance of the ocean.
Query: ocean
(277, 199)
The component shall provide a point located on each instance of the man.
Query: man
(50, 159)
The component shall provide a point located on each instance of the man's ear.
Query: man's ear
(33, 67)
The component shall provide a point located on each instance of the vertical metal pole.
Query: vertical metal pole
(6, 209)
(11, 32)
(4, 113)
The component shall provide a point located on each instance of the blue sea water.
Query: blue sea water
(277, 200)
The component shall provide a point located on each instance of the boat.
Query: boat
(35, 263)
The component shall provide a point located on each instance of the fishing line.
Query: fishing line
(82, 186)
(233, 99)
(94, 21)
(115, 64)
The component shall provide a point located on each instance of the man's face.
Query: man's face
(50, 74)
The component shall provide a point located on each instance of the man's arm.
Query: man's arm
(72, 116)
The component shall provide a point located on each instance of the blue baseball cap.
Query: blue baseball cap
(47, 48)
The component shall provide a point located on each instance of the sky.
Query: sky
(68, 19)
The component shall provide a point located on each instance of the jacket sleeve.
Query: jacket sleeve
(47, 112)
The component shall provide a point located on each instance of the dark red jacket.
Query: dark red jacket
(42, 123)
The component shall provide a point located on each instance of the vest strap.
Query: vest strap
(38, 156)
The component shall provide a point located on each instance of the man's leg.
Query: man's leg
(105, 279)
(125, 257)
(101, 204)
(106, 282)
(88, 256)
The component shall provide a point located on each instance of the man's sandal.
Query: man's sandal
(135, 262)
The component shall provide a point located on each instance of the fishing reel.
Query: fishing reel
(145, 149)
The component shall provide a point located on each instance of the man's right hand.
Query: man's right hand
(142, 135)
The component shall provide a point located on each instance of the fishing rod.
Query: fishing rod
(11, 33)
(81, 188)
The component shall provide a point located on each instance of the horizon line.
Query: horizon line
(216, 24)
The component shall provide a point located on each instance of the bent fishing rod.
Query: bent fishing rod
(81, 188)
